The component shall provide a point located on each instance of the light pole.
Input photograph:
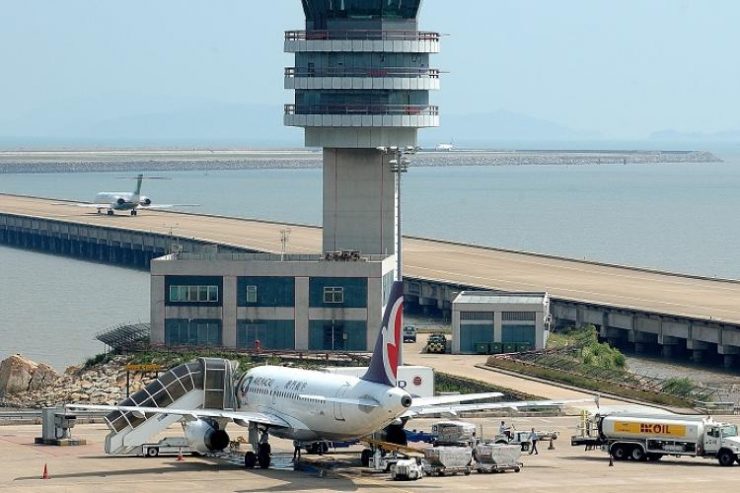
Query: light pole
(399, 165)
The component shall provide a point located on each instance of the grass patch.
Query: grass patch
(444, 382)
(587, 382)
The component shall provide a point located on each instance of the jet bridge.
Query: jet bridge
(204, 383)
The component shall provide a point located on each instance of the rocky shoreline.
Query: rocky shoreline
(25, 384)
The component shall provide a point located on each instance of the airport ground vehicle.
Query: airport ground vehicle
(442, 461)
(407, 469)
(166, 446)
(497, 458)
(436, 343)
(409, 333)
(650, 437)
(455, 433)
(521, 438)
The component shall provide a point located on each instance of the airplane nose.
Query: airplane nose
(406, 401)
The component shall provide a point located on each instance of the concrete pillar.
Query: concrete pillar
(666, 351)
(301, 313)
(157, 295)
(359, 201)
(697, 355)
(228, 321)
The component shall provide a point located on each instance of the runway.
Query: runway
(567, 279)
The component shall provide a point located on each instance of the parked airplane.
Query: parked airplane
(126, 201)
(311, 406)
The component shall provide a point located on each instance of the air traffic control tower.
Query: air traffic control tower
(362, 80)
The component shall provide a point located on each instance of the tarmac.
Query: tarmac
(436, 260)
(565, 469)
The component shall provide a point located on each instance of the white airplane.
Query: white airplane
(126, 201)
(313, 406)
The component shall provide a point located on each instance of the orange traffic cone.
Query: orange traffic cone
(180, 458)
(45, 474)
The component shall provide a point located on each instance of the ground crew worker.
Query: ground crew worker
(296, 450)
(504, 430)
(533, 438)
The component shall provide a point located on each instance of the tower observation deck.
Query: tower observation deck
(362, 80)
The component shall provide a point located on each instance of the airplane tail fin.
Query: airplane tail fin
(139, 179)
(384, 362)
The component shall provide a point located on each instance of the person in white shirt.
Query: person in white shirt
(504, 430)
(533, 438)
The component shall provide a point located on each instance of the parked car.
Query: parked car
(409, 333)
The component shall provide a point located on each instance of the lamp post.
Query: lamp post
(399, 165)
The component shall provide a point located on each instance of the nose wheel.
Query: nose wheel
(133, 212)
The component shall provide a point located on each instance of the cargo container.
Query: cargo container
(650, 437)
(442, 461)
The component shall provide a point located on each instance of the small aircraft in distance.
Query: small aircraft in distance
(127, 201)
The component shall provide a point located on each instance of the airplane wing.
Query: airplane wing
(455, 409)
(82, 204)
(166, 206)
(448, 399)
(241, 418)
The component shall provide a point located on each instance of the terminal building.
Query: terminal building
(362, 80)
(302, 302)
(491, 322)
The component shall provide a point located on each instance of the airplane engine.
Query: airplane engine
(205, 436)
(145, 201)
(121, 201)
(394, 433)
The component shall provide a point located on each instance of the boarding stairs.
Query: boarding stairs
(204, 383)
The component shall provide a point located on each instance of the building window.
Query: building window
(518, 316)
(251, 294)
(194, 294)
(333, 295)
(464, 315)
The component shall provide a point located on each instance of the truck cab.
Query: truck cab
(722, 440)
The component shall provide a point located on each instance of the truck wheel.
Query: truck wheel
(152, 452)
(725, 458)
(654, 457)
(619, 452)
(638, 454)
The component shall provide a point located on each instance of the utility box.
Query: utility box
(56, 428)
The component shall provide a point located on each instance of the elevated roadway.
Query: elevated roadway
(642, 306)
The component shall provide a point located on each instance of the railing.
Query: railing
(362, 109)
(424, 73)
(364, 35)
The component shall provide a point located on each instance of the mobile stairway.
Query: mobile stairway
(204, 383)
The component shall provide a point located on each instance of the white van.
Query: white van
(409, 333)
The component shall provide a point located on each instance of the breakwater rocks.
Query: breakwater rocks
(94, 161)
(25, 384)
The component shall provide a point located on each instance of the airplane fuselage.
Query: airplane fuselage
(119, 201)
(295, 396)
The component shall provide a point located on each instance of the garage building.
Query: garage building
(491, 322)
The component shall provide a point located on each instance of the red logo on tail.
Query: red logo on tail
(391, 340)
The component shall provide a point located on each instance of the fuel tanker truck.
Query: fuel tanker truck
(650, 437)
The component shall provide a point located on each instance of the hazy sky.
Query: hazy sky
(624, 68)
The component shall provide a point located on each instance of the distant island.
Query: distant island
(179, 159)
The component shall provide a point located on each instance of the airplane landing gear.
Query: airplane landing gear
(261, 453)
(264, 456)
(250, 460)
(133, 212)
(110, 212)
